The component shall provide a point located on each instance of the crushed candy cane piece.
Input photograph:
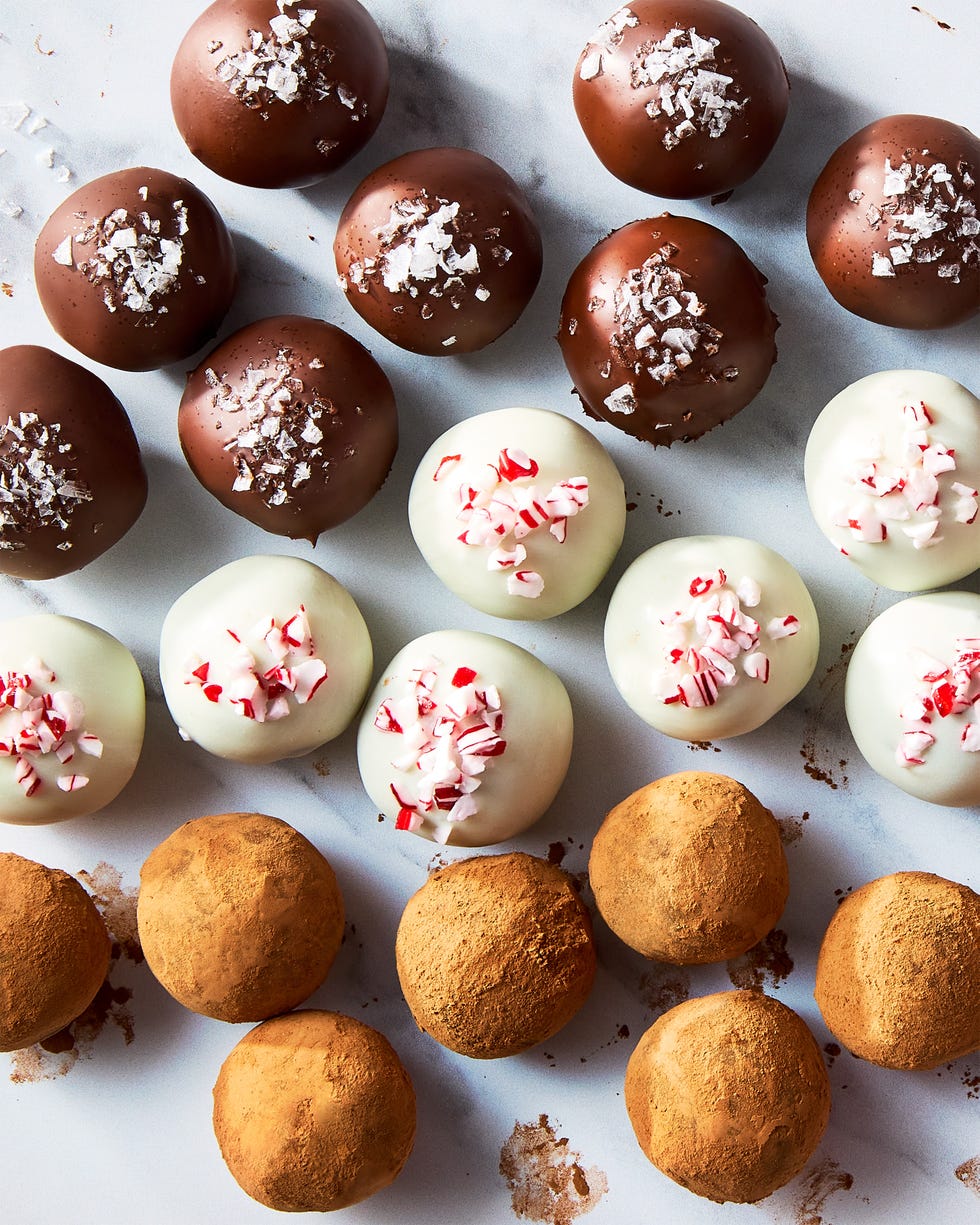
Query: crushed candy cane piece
(942, 691)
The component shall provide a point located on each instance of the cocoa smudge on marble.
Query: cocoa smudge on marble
(663, 987)
(817, 1185)
(968, 1172)
(547, 1179)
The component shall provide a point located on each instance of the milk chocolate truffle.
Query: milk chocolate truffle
(495, 954)
(71, 477)
(690, 869)
(665, 329)
(465, 739)
(892, 472)
(279, 93)
(439, 251)
(893, 226)
(709, 636)
(266, 658)
(240, 917)
(72, 712)
(912, 697)
(54, 951)
(313, 1111)
(728, 1095)
(520, 512)
(135, 269)
(681, 99)
(898, 976)
(290, 423)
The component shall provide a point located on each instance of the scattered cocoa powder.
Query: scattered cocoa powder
(766, 963)
(546, 1178)
(117, 905)
(702, 746)
(818, 760)
(969, 1174)
(943, 25)
(322, 767)
(791, 828)
(663, 987)
(832, 1051)
(816, 1186)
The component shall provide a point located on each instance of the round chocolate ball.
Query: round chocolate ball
(279, 93)
(439, 251)
(665, 329)
(135, 269)
(71, 477)
(892, 223)
(291, 423)
(681, 98)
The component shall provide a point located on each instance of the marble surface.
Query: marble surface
(124, 1134)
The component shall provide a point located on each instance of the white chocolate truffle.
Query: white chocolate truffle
(709, 636)
(266, 658)
(466, 739)
(72, 713)
(520, 512)
(912, 697)
(892, 472)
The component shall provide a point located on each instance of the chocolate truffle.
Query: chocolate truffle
(898, 976)
(279, 93)
(72, 713)
(690, 869)
(912, 696)
(240, 917)
(682, 98)
(290, 423)
(71, 478)
(495, 954)
(665, 329)
(709, 636)
(135, 269)
(892, 471)
(313, 1111)
(520, 512)
(54, 951)
(438, 251)
(728, 1095)
(893, 226)
(465, 739)
(266, 658)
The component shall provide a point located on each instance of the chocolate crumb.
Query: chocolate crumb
(546, 1178)
(556, 853)
(943, 25)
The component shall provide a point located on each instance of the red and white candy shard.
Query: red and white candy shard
(712, 641)
(942, 690)
(37, 721)
(444, 746)
(263, 693)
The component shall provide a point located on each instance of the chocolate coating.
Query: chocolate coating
(439, 251)
(681, 98)
(71, 478)
(665, 329)
(894, 238)
(291, 423)
(135, 313)
(279, 95)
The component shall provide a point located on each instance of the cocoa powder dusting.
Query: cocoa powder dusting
(816, 1186)
(664, 987)
(791, 828)
(546, 1178)
(969, 1174)
(766, 963)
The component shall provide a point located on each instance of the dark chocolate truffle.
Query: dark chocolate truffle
(681, 98)
(71, 478)
(439, 251)
(290, 423)
(279, 93)
(893, 223)
(665, 329)
(135, 269)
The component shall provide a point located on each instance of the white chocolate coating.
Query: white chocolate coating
(639, 643)
(884, 684)
(516, 785)
(102, 742)
(244, 598)
(563, 450)
(867, 438)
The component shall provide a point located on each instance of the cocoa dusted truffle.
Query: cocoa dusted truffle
(135, 269)
(893, 223)
(728, 1095)
(279, 93)
(665, 329)
(290, 423)
(495, 954)
(71, 477)
(898, 976)
(439, 251)
(313, 1111)
(54, 951)
(681, 98)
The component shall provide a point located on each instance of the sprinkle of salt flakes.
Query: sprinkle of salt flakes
(36, 491)
(605, 41)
